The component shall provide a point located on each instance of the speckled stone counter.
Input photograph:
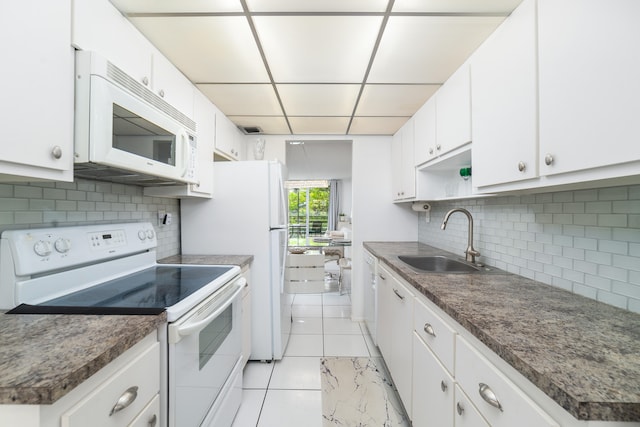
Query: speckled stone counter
(240, 260)
(43, 357)
(584, 354)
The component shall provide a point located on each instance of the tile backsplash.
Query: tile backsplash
(585, 241)
(84, 202)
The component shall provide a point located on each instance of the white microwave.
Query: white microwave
(126, 133)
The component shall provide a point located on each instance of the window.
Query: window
(308, 211)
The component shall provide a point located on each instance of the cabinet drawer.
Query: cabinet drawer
(142, 372)
(150, 415)
(305, 260)
(303, 273)
(466, 415)
(478, 378)
(437, 334)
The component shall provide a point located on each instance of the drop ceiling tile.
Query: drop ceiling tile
(427, 49)
(319, 125)
(172, 6)
(317, 5)
(393, 100)
(318, 100)
(243, 99)
(207, 49)
(376, 125)
(269, 125)
(456, 6)
(328, 49)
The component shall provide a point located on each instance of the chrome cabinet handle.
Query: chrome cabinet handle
(459, 408)
(429, 329)
(125, 400)
(145, 80)
(382, 277)
(438, 147)
(443, 386)
(161, 93)
(521, 166)
(489, 396)
(548, 159)
(431, 150)
(56, 152)
(395, 291)
(153, 421)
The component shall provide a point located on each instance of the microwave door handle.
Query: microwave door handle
(185, 154)
(186, 330)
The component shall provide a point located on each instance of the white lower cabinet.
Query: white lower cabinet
(433, 388)
(466, 415)
(246, 319)
(500, 401)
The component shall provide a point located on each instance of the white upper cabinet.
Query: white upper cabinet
(37, 91)
(589, 84)
(453, 112)
(98, 26)
(425, 132)
(403, 164)
(504, 106)
(229, 141)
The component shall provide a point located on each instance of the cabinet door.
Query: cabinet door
(37, 90)
(425, 132)
(385, 320)
(246, 321)
(466, 415)
(205, 118)
(171, 85)
(433, 389)
(589, 85)
(453, 112)
(227, 137)
(504, 106)
(408, 161)
(396, 166)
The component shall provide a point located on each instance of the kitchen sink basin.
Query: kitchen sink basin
(438, 264)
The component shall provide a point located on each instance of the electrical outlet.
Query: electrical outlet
(161, 216)
(167, 219)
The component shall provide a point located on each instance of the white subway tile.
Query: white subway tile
(6, 218)
(634, 305)
(626, 262)
(585, 195)
(585, 291)
(27, 192)
(561, 240)
(585, 267)
(598, 207)
(573, 230)
(573, 208)
(634, 221)
(66, 205)
(634, 250)
(626, 206)
(565, 196)
(552, 270)
(597, 282)
(563, 218)
(598, 257)
(563, 262)
(28, 217)
(613, 193)
(574, 276)
(612, 220)
(6, 190)
(613, 273)
(602, 233)
(573, 253)
(553, 208)
(626, 234)
(584, 243)
(626, 289)
(613, 246)
(42, 205)
(585, 219)
(612, 299)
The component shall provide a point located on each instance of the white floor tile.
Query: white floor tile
(345, 345)
(339, 326)
(307, 325)
(296, 373)
(304, 345)
(292, 408)
(256, 375)
(306, 310)
(343, 311)
(307, 299)
(336, 299)
(250, 407)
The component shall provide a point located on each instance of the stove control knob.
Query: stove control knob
(42, 247)
(150, 234)
(142, 235)
(62, 245)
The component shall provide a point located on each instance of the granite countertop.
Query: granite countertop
(584, 354)
(43, 357)
(240, 260)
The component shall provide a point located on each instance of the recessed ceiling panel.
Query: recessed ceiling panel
(269, 125)
(319, 99)
(327, 49)
(207, 49)
(393, 100)
(317, 5)
(243, 99)
(376, 125)
(456, 6)
(427, 49)
(172, 6)
(319, 125)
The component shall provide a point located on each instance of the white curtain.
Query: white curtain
(334, 204)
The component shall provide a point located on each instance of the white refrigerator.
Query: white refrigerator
(248, 215)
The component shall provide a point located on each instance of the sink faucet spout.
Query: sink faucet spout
(470, 252)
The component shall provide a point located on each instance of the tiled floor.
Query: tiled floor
(287, 393)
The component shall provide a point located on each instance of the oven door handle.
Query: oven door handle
(189, 329)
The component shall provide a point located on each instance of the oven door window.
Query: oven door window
(134, 134)
(214, 334)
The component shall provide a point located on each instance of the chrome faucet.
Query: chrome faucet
(471, 253)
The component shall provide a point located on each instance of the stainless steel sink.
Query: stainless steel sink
(438, 264)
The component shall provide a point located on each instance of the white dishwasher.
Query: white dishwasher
(370, 272)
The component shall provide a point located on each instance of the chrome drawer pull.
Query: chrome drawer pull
(489, 396)
(382, 277)
(125, 400)
(395, 291)
(443, 386)
(153, 421)
(429, 329)
(459, 408)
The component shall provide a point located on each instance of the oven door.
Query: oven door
(204, 347)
